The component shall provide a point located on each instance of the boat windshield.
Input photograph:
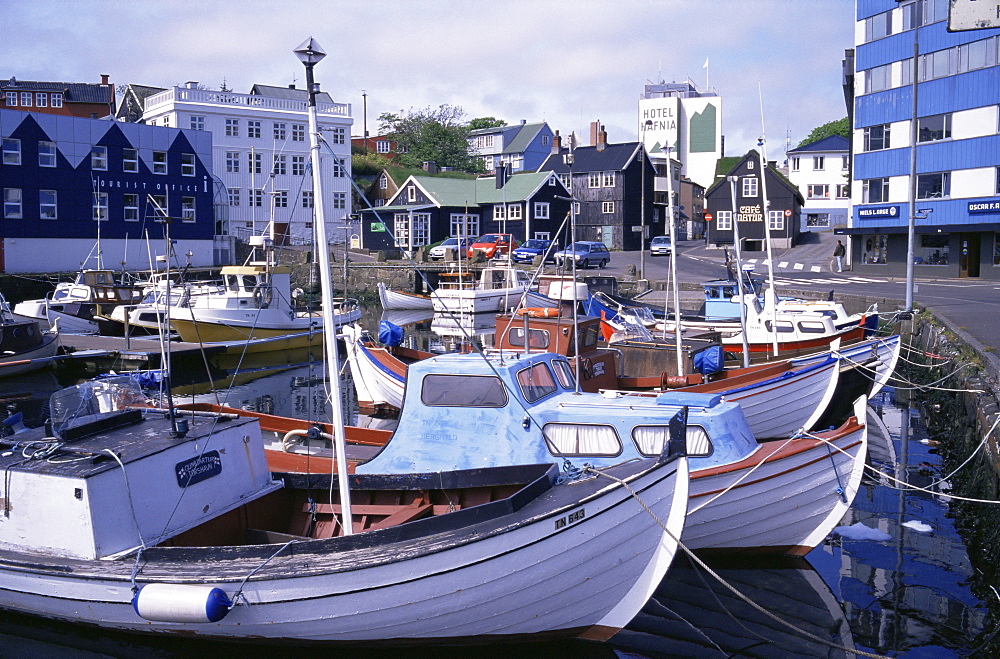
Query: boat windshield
(95, 397)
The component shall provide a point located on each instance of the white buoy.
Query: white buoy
(168, 602)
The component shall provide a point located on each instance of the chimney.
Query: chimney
(602, 139)
(191, 84)
(104, 78)
(524, 121)
(556, 143)
(291, 86)
(594, 128)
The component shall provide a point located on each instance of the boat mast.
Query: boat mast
(767, 228)
(739, 272)
(673, 263)
(309, 53)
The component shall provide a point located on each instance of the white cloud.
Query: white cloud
(568, 62)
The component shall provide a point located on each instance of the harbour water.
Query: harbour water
(907, 590)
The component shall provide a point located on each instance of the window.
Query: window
(159, 162)
(845, 163)
(536, 382)
(339, 135)
(878, 78)
(541, 210)
(594, 180)
(187, 209)
(48, 202)
(256, 197)
(41, 100)
(100, 206)
(382, 146)
(12, 99)
(411, 194)
(796, 163)
(26, 99)
(338, 169)
(977, 55)
(197, 122)
(158, 206)
(232, 127)
(608, 179)
(463, 225)
(12, 203)
(166, 121)
(298, 133)
(566, 181)
(499, 212)
(279, 131)
(281, 199)
(876, 137)
(298, 165)
(255, 162)
(536, 338)
(873, 249)
(776, 220)
(99, 157)
(279, 165)
(234, 196)
(817, 220)
(724, 220)
(130, 160)
(843, 191)
(934, 186)
(750, 186)
(878, 26)
(57, 100)
(130, 207)
(46, 154)
(819, 191)
(187, 164)
(462, 391)
(607, 207)
(307, 199)
(340, 200)
(233, 161)
(514, 211)
(933, 128)
(11, 151)
(875, 191)
(933, 249)
(650, 440)
(582, 439)
(253, 128)
(819, 163)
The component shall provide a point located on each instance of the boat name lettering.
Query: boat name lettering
(198, 469)
(572, 518)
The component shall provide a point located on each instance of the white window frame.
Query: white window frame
(463, 225)
(253, 129)
(724, 220)
(541, 210)
(593, 179)
(339, 135)
(234, 196)
(607, 207)
(298, 165)
(12, 99)
(26, 99)
(11, 151)
(232, 127)
(197, 122)
(159, 162)
(499, 212)
(187, 164)
(158, 203)
(130, 160)
(818, 191)
(868, 186)
(340, 200)
(255, 162)
(795, 163)
(819, 163)
(256, 198)
(411, 194)
(189, 207)
(279, 130)
(607, 179)
(307, 199)
(99, 206)
(130, 207)
(298, 132)
(233, 162)
(48, 202)
(381, 146)
(13, 204)
(843, 191)
(280, 165)
(514, 211)
(57, 100)
(750, 186)
(280, 198)
(776, 220)
(41, 100)
(47, 153)
(99, 158)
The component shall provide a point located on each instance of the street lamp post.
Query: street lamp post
(310, 53)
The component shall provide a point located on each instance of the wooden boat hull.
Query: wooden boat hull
(398, 300)
(30, 360)
(786, 496)
(576, 560)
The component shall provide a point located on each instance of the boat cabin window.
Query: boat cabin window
(578, 439)
(462, 391)
(650, 440)
(564, 373)
(588, 338)
(783, 326)
(812, 327)
(536, 338)
(536, 382)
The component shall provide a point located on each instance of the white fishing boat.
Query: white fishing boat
(24, 346)
(401, 300)
(149, 314)
(500, 287)
(78, 304)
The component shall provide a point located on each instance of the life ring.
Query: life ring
(262, 296)
(586, 368)
(538, 312)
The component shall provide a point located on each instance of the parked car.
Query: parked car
(660, 245)
(493, 245)
(532, 248)
(586, 254)
(440, 251)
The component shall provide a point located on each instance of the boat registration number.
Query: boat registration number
(572, 518)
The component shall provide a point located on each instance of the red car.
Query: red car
(493, 245)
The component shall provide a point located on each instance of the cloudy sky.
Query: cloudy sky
(567, 62)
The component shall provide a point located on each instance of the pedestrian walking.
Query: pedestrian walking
(838, 253)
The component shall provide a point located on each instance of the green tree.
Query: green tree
(838, 127)
(435, 134)
(486, 122)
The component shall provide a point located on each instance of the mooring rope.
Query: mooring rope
(726, 584)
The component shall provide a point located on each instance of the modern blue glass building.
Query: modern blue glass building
(951, 115)
(67, 181)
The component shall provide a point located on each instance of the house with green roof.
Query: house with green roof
(427, 209)
(749, 208)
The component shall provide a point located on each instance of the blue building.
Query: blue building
(68, 181)
(524, 147)
(955, 181)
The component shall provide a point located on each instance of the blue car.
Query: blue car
(532, 248)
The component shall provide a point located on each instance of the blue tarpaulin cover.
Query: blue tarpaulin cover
(389, 334)
(710, 360)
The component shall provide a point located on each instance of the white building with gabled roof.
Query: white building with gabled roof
(261, 154)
